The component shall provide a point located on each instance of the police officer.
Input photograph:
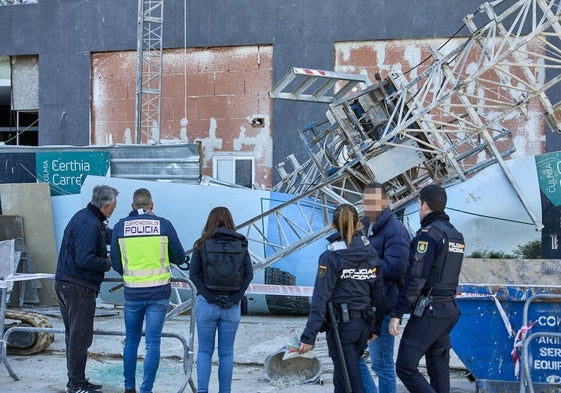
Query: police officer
(430, 285)
(142, 247)
(349, 278)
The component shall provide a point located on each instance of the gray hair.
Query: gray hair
(103, 194)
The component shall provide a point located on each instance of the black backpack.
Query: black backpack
(223, 264)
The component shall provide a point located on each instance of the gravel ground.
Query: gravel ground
(258, 338)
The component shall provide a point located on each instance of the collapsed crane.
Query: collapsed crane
(436, 128)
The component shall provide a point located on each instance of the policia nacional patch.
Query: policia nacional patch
(321, 271)
(422, 246)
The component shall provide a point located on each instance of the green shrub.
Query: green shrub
(530, 250)
(490, 254)
(477, 254)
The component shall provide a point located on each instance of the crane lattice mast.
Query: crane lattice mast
(149, 70)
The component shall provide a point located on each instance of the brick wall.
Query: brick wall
(226, 89)
(369, 57)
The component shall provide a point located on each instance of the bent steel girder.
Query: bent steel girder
(298, 221)
(293, 221)
(458, 108)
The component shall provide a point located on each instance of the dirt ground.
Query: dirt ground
(258, 338)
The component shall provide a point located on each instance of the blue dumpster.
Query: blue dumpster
(491, 325)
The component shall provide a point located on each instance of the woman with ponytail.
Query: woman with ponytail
(348, 281)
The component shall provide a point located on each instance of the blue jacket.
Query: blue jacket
(83, 258)
(391, 241)
(176, 255)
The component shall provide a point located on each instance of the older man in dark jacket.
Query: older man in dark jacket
(82, 263)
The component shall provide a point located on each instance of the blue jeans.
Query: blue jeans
(367, 380)
(135, 311)
(211, 318)
(381, 356)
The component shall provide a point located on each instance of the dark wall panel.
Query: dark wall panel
(64, 99)
(18, 168)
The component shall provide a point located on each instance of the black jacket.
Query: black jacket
(427, 247)
(346, 275)
(83, 258)
(196, 269)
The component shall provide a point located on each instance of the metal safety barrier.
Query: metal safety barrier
(187, 344)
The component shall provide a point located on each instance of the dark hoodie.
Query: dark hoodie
(349, 275)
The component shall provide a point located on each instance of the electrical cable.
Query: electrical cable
(477, 215)
(18, 133)
(440, 47)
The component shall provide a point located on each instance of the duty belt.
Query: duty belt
(438, 299)
(345, 314)
(353, 314)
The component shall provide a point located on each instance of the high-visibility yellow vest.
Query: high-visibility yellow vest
(145, 261)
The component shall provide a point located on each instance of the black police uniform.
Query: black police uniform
(432, 277)
(348, 276)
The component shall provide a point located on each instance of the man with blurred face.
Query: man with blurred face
(391, 240)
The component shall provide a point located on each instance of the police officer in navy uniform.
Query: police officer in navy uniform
(349, 277)
(429, 294)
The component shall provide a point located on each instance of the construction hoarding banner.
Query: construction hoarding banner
(64, 171)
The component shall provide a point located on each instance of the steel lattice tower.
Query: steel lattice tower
(149, 70)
